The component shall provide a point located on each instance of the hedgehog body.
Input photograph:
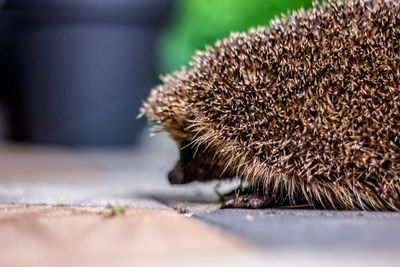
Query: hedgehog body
(305, 111)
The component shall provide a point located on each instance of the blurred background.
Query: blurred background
(75, 72)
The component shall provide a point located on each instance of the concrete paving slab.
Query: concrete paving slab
(312, 229)
(62, 176)
(66, 194)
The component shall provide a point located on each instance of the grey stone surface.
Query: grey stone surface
(150, 192)
(336, 230)
(140, 171)
(133, 178)
(42, 194)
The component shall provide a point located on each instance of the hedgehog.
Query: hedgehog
(305, 111)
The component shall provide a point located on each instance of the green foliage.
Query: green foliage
(116, 209)
(202, 22)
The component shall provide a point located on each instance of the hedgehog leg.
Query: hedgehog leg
(241, 189)
(247, 201)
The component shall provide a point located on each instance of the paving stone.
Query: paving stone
(73, 195)
(299, 229)
(60, 176)
(69, 236)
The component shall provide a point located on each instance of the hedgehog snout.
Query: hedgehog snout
(176, 175)
(192, 166)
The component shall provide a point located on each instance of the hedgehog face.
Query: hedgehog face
(194, 165)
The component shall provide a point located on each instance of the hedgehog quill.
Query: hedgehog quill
(305, 111)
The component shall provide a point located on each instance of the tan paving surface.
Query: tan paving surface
(70, 236)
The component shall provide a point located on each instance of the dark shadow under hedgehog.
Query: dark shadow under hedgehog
(305, 111)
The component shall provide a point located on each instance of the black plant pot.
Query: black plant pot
(83, 67)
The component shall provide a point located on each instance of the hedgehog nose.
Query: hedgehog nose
(175, 177)
(172, 177)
